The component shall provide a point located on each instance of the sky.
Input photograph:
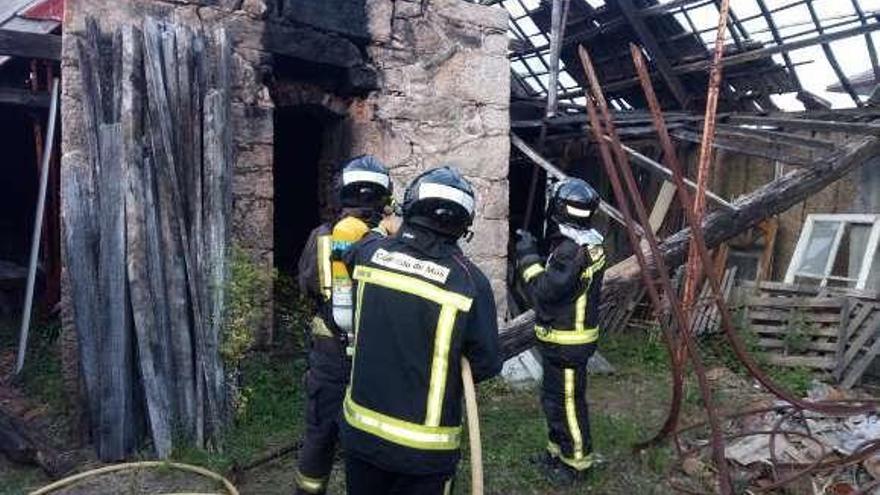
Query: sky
(812, 67)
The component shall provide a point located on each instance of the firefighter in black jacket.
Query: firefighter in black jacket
(365, 193)
(420, 306)
(564, 290)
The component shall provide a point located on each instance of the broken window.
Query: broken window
(837, 251)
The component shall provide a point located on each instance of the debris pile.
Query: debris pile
(774, 445)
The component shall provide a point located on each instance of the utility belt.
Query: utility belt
(567, 337)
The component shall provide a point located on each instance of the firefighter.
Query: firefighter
(564, 290)
(365, 191)
(420, 306)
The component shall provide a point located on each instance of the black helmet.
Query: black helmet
(441, 200)
(573, 203)
(365, 183)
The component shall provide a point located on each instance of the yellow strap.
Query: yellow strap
(574, 428)
(412, 285)
(324, 267)
(440, 365)
(532, 271)
(567, 337)
(595, 267)
(401, 432)
(309, 484)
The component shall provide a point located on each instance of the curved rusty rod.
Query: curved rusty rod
(671, 424)
(739, 348)
(662, 270)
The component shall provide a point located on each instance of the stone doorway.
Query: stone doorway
(303, 171)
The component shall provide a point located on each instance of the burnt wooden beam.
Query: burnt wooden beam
(778, 137)
(24, 98)
(807, 124)
(719, 226)
(649, 42)
(743, 148)
(30, 45)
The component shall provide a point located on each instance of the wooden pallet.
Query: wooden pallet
(799, 331)
(862, 343)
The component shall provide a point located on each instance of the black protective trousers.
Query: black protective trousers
(364, 478)
(563, 398)
(325, 388)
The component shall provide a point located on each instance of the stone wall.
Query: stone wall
(440, 67)
(444, 98)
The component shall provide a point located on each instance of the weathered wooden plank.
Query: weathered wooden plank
(146, 290)
(816, 362)
(190, 387)
(785, 316)
(863, 335)
(216, 178)
(825, 347)
(30, 45)
(796, 302)
(854, 374)
(26, 444)
(25, 98)
(78, 204)
(782, 330)
(117, 419)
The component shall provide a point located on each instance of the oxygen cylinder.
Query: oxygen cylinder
(345, 233)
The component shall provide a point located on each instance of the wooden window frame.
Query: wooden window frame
(868, 260)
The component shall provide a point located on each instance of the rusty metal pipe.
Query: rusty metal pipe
(662, 270)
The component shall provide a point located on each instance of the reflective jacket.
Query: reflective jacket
(565, 291)
(420, 306)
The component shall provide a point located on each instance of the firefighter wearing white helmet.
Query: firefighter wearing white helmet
(365, 191)
(420, 306)
(564, 289)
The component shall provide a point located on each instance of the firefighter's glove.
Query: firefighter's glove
(526, 244)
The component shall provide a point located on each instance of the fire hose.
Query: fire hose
(473, 420)
(76, 478)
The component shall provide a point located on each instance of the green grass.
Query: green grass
(273, 415)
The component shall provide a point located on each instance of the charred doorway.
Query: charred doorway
(302, 177)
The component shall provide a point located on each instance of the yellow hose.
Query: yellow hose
(70, 480)
(473, 420)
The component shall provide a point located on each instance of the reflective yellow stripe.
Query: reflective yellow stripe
(584, 463)
(308, 484)
(319, 328)
(571, 416)
(440, 365)
(447, 487)
(595, 267)
(532, 271)
(401, 432)
(567, 337)
(412, 285)
(324, 270)
(580, 310)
